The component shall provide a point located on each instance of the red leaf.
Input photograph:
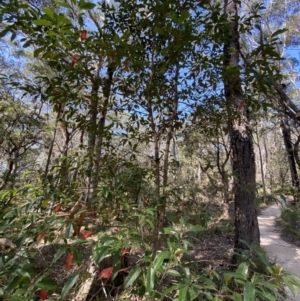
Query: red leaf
(241, 105)
(43, 295)
(75, 58)
(125, 251)
(40, 237)
(69, 260)
(126, 68)
(57, 208)
(106, 273)
(83, 35)
(85, 234)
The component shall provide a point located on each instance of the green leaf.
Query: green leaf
(47, 284)
(42, 22)
(173, 273)
(287, 282)
(4, 33)
(242, 269)
(192, 294)
(69, 231)
(59, 253)
(160, 258)
(133, 275)
(63, 4)
(184, 15)
(86, 5)
(278, 32)
(237, 297)
(249, 291)
(77, 256)
(48, 12)
(182, 294)
(150, 279)
(100, 253)
(68, 285)
(169, 290)
(266, 296)
(37, 51)
(14, 283)
(23, 273)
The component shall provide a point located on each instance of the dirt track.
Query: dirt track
(285, 254)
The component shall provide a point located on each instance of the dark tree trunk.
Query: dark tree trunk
(286, 133)
(243, 161)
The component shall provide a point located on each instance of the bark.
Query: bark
(243, 161)
(286, 133)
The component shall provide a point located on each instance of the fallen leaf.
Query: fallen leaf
(125, 251)
(106, 273)
(85, 234)
(43, 295)
(40, 236)
(69, 260)
(57, 208)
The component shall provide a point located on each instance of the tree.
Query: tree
(243, 160)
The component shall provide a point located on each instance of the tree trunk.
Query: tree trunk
(261, 167)
(92, 131)
(243, 161)
(286, 133)
(296, 152)
(161, 209)
(101, 126)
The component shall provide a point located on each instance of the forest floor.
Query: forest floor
(212, 249)
(284, 253)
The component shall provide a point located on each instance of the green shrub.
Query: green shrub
(291, 222)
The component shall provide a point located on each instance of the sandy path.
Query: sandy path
(285, 254)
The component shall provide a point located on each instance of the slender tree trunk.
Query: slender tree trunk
(286, 133)
(296, 152)
(265, 166)
(261, 167)
(60, 113)
(243, 161)
(64, 162)
(161, 210)
(101, 126)
(92, 130)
